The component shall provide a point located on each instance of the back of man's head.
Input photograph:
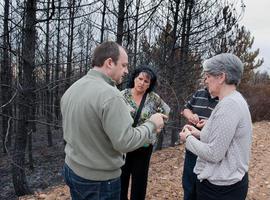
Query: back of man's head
(104, 51)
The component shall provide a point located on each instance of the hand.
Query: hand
(183, 134)
(194, 119)
(158, 120)
(194, 131)
(201, 123)
(188, 129)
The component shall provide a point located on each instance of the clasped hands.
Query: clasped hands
(187, 131)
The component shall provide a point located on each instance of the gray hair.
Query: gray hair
(226, 63)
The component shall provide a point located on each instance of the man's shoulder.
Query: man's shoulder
(101, 90)
(203, 92)
(110, 91)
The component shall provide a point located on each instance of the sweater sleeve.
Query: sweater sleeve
(218, 134)
(117, 123)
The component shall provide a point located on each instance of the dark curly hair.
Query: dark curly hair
(148, 71)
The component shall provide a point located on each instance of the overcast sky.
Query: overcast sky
(257, 20)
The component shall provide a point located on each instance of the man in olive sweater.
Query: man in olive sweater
(98, 127)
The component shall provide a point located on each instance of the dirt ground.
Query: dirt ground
(166, 172)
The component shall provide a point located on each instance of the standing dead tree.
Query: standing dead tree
(5, 78)
(26, 88)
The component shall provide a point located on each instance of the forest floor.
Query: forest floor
(164, 175)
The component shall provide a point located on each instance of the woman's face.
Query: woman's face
(142, 82)
(213, 83)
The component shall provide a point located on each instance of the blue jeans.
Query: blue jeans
(84, 189)
(189, 177)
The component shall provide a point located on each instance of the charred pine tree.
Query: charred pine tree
(120, 22)
(70, 41)
(136, 31)
(6, 77)
(174, 69)
(57, 66)
(48, 114)
(88, 49)
(103, 21)
(27, 87)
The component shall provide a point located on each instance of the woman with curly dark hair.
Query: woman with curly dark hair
(143, 102)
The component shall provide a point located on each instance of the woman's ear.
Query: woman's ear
(222, 78)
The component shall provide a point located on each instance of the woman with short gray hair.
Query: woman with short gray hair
(223, 145)
(226, 63)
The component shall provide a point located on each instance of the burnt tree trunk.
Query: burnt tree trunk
(57, 68)
(70, 42)
(103, 21)
(25, 99)
(48, 93)
(6, 77)
(136, 32)
(120, 22)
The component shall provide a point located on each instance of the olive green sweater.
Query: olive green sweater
(98, 128)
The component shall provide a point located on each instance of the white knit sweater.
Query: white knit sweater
(225, 142)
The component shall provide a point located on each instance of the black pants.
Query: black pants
(209, 191)
(136, 167)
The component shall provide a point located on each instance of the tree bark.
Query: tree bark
(70, 42)
(6, 77)
(103, 21)
(136, 31)
(25, 99)
(57, 66)
(48, 93)
(120, 22)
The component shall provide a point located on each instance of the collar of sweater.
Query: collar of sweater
(101, 75)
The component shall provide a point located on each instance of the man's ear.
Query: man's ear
(109, 63)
